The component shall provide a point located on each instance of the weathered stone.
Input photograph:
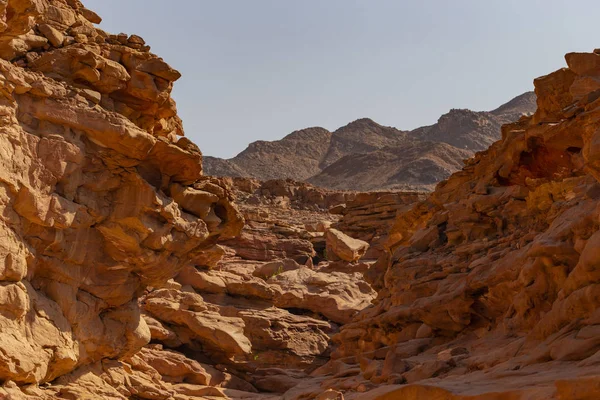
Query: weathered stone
(84, 234)
(342, 246)
(54, 36)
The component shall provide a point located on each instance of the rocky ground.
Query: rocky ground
(125, 273)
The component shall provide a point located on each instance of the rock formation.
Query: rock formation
(370, 217)
(491, 289)
(366, 156)
(125, 273)
(100, 197)
(263, 314)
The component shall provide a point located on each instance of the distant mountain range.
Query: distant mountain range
(366, 156)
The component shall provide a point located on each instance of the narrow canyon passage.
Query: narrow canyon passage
(127, 272)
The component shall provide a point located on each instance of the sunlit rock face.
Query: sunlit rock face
(100, 197)
(492, 283)
(121, 276)
(112, 283)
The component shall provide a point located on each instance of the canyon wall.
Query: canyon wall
(100, 197)
(492, 288)
(127, 274)
(120, 277)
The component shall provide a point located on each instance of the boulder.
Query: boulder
(342, 247)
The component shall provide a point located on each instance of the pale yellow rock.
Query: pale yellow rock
(342, 246)
(54, 36)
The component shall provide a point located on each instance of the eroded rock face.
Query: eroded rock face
(262, 317)
(370, 217)
(112, 239)
(94, 188)
(491, 289)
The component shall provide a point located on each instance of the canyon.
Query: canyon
(128, 272)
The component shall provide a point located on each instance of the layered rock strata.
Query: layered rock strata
(370, 217)
(100, 196)
(491, 288)
(264, 313)
(121, 276)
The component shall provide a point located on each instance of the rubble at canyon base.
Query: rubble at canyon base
(125, 273)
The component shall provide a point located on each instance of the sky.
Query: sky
(260, 69)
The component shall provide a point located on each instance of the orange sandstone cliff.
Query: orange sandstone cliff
(127, 274)
(492, 286)
(99, 197)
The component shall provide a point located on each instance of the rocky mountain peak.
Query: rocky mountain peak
(514, 109)
(382, 149)
(361, 123)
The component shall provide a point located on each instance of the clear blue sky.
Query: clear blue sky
(259, 69)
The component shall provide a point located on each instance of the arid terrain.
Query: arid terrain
(366, 156)
(126, 272)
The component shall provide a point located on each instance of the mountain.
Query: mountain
(297, 155)
(513, 110)
(365, 155)
(414, 165)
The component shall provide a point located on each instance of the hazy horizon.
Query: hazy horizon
(260, 70)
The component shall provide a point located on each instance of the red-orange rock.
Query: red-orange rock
(491, 280)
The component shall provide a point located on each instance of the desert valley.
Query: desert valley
(456, 261)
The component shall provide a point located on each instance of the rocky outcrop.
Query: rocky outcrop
(490, 289)
(370, 217)
(113, 238)
(127, 274)
(95, 189)
(264, 314)
(366, 156)
(343, 247)
(123, 274)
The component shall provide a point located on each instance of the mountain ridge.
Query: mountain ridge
(313, 154)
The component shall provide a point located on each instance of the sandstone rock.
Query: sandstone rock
(90, 15)
(54, 36)
(370, 216)
(337, 296)
(266, 271)
(490, 279)
(338, 209)
(188, 311)
(84, 232)
(342, 246)
(330, 395)
(488, 287)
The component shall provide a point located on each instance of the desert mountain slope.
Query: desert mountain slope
(307, 157)
(298, 155)
(512, 111)
(418, 166)
(360, 137)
